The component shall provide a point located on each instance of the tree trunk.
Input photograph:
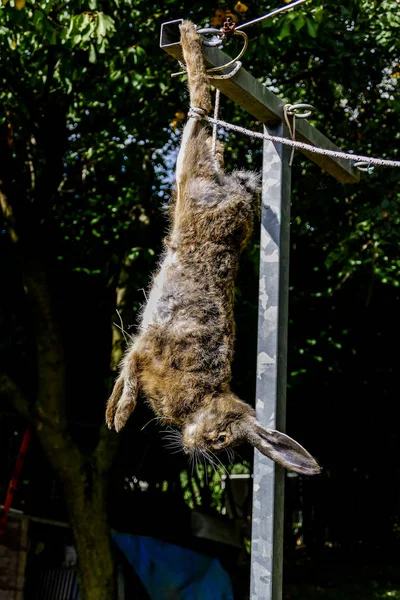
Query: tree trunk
(84, 478)
(88, 518)
(85, 495)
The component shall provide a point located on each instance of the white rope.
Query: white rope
(291, 128)
(314, 149)
(196, 113)
(215, 125)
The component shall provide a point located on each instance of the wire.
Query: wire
(271, 14)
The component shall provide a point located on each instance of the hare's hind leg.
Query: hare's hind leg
(122, 401)
(113, 402)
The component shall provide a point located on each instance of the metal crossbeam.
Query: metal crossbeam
(265, 106)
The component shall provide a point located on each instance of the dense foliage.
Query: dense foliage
(89, 125)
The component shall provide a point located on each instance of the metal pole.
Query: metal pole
(268, 478)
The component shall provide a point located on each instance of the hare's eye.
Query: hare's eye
(221, 438)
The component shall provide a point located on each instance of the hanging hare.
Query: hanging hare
(181, 357)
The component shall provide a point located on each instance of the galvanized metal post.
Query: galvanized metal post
(268, 478)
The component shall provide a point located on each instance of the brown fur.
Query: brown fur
(181, 357)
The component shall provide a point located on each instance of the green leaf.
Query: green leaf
(299, 22)
(285, 31)
(69, 85)
(107, 23)
(92, 54)
(102, 47)
(101, 29)
(311, 28)
(115, 75)
(75, 39)
(37, 16)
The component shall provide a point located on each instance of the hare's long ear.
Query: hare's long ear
(281, 448)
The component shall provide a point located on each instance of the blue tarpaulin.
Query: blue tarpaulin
(171, 572)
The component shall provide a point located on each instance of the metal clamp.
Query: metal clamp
(235, 62)
(212, 31)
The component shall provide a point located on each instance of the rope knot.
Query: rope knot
(196, 113)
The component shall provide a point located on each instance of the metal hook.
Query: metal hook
(364, 166)
(293, 108)
(234, 61)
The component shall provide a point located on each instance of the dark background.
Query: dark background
(89, 126)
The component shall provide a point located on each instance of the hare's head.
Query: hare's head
(227, 421)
